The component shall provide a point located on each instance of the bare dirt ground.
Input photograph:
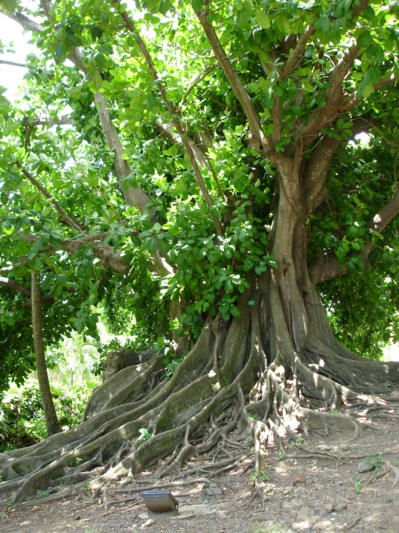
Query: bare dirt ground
(327, 482)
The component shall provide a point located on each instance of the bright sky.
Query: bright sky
(10, 76)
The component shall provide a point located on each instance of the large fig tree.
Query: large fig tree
(238, 161)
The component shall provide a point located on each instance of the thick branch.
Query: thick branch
(133, 196)
(52, 422)
(104, 252)
(15, 286)
(314, 183)
(329, 267)
(339, 73)
(258, 137)
(335, 104)
(276, 117)
(24, 21)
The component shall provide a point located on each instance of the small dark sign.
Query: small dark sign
(159, 501)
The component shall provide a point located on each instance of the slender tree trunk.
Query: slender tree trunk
(52, 423)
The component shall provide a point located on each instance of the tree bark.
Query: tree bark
(52, 423)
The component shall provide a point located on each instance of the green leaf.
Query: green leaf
(8, 6)
(96, 81)
(197, 4)
(262, 19)
(375, 74)
(59, 53)
(235, 311)
(96, 33)
(324, 23)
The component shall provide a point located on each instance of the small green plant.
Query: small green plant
(336, 412)
(357, 485)
(75, 461)
(281, 456)
(254, 417)
(145, 435)
(374, 460)
(263, 476)
(297, 443)
(87, 487)
(43, 493)
(1, 478)
(249, 443)
(378, 460)
(171, 359)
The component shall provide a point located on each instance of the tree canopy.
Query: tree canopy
(222, 160)
(132, 155)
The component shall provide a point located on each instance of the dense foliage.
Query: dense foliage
(22, 421)
(95, 177)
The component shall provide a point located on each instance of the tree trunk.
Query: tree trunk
(275, 370)
(52, 423)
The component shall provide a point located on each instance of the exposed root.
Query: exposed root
(250, 377)
(395, 472)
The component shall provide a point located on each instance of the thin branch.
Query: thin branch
(197, 80)
(297, 52)
(176, 118)
(353, 100)
(104, 252)
(12, 63)
(276, 118)
(258, 137)
(175, 138)
(202, 160)
(65, 120)
(64, 217)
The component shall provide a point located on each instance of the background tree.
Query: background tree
(210, 151)
(52, 423)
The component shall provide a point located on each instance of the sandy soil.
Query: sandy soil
(325, 483)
